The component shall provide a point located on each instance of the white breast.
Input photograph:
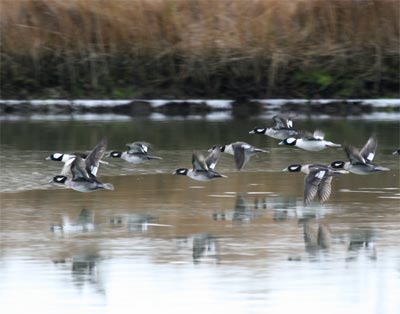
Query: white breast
(132, 158)
(311, 145)
(229, 150)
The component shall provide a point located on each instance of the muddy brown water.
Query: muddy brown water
(164, 243)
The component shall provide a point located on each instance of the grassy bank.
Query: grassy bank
(203, 48)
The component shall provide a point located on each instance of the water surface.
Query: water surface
(164, 243)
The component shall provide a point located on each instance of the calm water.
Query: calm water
(166, 244)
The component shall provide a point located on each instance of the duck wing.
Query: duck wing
(78, 169)
(312, 182)
(212, 158)
(324, 189)
(198, 162)
(93, 159)
(306, 135)
(240, 157)
(280, 123)
(354, 155)
(138, 147)
(368, 151)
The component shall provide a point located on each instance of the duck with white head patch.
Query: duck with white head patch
(67, 159)
(311, 142)
(83, 171)
(203, 168)
(360, 162)
(317, 181)
(137, 153)
(283, 129)
(241, 151)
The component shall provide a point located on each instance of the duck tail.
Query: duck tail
(108, 186)
(259, 150)
(153, 157)
(330, 144)
(379, 168)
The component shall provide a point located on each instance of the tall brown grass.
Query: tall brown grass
(197, 40)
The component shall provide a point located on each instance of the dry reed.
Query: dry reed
(88, 44)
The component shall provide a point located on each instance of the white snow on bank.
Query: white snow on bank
(213, 103)
(213, 116)
(65, 117)
(383, 102)
(220, 104)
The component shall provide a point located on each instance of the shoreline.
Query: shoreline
(178, 107)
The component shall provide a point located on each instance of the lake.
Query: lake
(161, 243)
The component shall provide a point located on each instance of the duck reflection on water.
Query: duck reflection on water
(361, 242)
(244, 210)
(204, 247)
(317, 236)
(84, 223)
(133, 221)
(83, 265)
(320, 241)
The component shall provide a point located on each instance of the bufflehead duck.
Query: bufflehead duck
(311, 142)
(203, 169)
(281, 130)
(241, 151)
(67, 159)
(317, 180)
(63, 157)
(360, 162)
(83, 177)
(136, 154)
(396, 152)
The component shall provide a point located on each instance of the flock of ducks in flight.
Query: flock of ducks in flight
(80, 170)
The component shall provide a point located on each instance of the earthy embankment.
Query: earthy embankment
(199, 49)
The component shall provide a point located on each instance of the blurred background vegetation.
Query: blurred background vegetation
(199, 48)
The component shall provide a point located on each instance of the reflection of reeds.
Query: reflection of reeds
(199, 42)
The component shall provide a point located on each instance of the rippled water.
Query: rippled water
(164, 243)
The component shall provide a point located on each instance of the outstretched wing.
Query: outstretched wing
(212, 158)
(324, 189)
(311, 184)
(353, 154)
(198, 162)
(368, 151)
(138, 147)
(240, 157)
(306, 135)
(280, 123)
(78, 169)
(93, 159)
